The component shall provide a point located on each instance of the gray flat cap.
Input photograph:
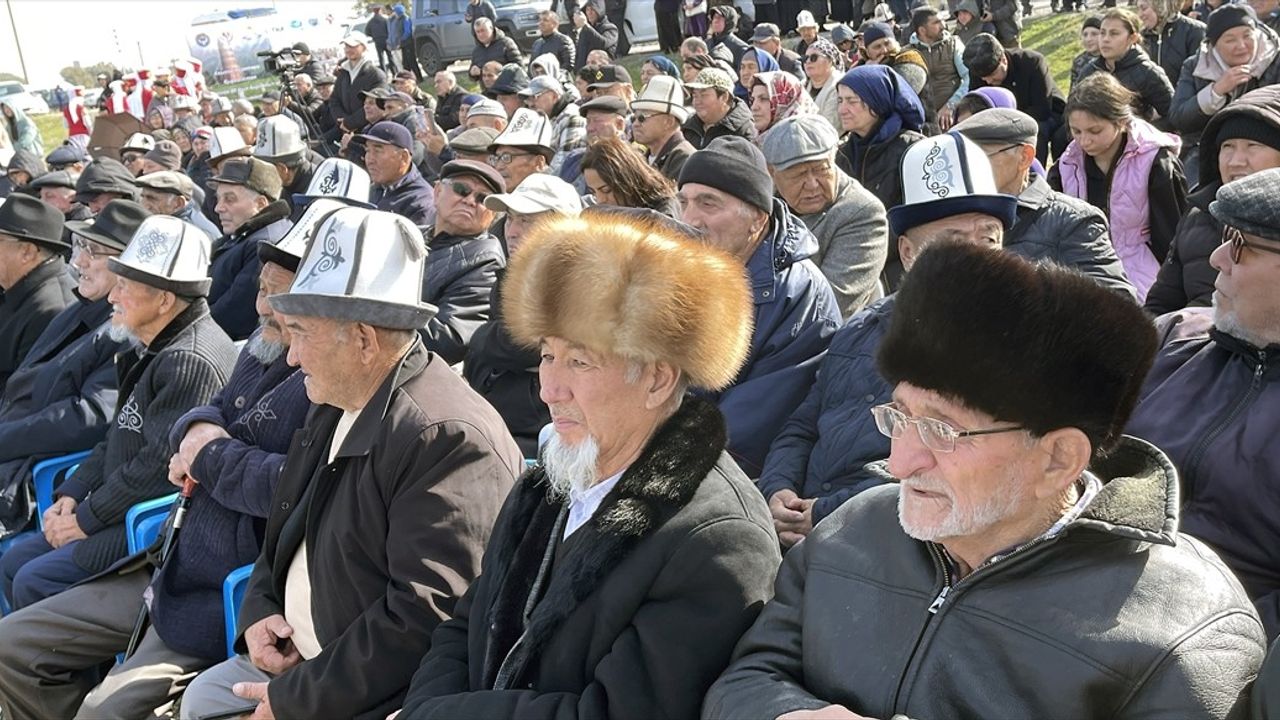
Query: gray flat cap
(168, 181)
(1249, 204)
(799, 139)
(1000, 125)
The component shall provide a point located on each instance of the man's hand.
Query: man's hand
(62, 529)
(830, 712)
(434, 141)
(255, 691)
(62, 506)
(792, 516)
(1232, 79)
(946, 116)
(198, 435)
(474, 71)
(579, 19)
(270, 648)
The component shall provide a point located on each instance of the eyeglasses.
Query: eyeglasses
(935, 434)
(90, 250)
(1006, 148)
(1234, 237)
(128, 158)
(642, 119)
(464, 191)
(505, 158)
(813, 58)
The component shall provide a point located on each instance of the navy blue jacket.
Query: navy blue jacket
(459, 278)
(824, 446)
(795, 316)
(260, 408)
(234, 270)
(411, 196)
(59, 401)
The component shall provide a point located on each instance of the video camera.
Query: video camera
(279, 62)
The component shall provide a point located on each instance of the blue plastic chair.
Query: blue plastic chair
(46, 473)
(143, 522)
(232, 594)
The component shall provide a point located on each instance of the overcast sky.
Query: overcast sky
(55, 33)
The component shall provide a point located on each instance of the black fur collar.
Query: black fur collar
(661, 482)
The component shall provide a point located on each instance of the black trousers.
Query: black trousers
(669, 34)
(409, 58)
(385, 53)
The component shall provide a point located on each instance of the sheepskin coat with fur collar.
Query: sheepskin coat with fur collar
(639, 609)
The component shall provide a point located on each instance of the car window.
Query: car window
(10, 89)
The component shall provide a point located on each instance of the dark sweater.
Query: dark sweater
(260, 407)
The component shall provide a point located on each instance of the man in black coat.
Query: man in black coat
(356, 76)
(492, 45)
(386, 497)
(1025, 73)
(724, 26)
(378, 30)
(636, 532)
(182, 359)
(398, 186)
(595, 32)
(32, 274)
(61, 397)
(448, 100)
(553, 41)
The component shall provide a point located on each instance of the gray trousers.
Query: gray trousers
(52, 654)
(211, 693)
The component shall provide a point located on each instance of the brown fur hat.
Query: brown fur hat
(1038, 345)
(632, 288)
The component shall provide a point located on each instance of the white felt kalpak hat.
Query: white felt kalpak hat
(363, 266)
(139, 141)
(279, 138)
(287, 252)
(947, 175)
(337, 179)
(528, 128)
(662, 94)
(226, 142)
(169, 254)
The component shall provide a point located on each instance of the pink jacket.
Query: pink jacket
(1130, 208)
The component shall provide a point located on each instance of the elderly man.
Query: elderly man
(464, 257)
(818, 460)
(59, 399)
(717, 112)
(233, 449)
(58, 188)
(768, 38)
(182, 359)
(492, 45)
(553, 42)
(486, 114)
(251, 211)
(595, 31)
(1026, 74)
(355, 76)
(943, 55)
(546, 95)
(32, 275)
(656, 535)
(606, 117)
(166, 155)
(1024, 542)
(398, 186)
(727, 194)
(418, 467)
(1209, 398)
(846, 218)
(224, 144)
(507, 86)
(172, 193)
(102, 181)
(523, 148)
(1050, 225)
(612, 80)
(448, 99)
(280, 143)
(134, 149)
(502, 370)
(657, 116)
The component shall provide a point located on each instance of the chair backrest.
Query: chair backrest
(46, 473)
(143, 522)
(232, 593)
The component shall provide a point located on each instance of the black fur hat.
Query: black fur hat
(1038, 345)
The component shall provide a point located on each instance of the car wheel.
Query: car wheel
(429, 57)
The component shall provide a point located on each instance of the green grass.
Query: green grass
(52, 131)
(1057, 37)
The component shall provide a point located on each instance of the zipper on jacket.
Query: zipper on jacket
(1255, 387)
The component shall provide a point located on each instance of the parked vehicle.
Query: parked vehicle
(28, 102)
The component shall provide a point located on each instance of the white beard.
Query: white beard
(570, 468)
(120, 333)
(262, 350)
(1228, 321)
(960, 521)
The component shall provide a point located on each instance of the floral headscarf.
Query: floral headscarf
(787, 95)
(828, 49)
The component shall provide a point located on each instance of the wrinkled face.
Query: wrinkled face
(460, 205)
(1246, 297)
(515, 164)
(1095, 135)
(302, 84)
(808, 187)
(599, 187)
(161, 203)
(444, 81)
(134, 306)
(588, 395)
(314, 346)
(761, 110)
(59, 197)
(1114, 40)
(385, 163)
(961, 494)
(273, 280)
(710, 104)
(647, 71)
(16, 259)
(324, 91)
(90, 259)
(1147, 14)
(602, 125)
(878, 49)
(99, 201)
(544, 102)
(1006, 165)
(817, 66)
(236, 204)
(518, 224)
(132, 160)
(1237, 45)
(729, 223)
(747, 70)
(1239, 158)
(372, 112)
(650, 128)
(855, 116)
(1089, 39)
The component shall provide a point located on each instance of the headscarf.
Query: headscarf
(887, 95)
(995, 97)
(665, 66)
(765, 63)
(828, 49)
(165, 113)
(23, 133)
(787, 96)
(1165, 11)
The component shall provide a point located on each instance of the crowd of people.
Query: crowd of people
(869, 375)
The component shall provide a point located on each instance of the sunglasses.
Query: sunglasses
(464, 191)
(1235, 238)
(813, 58)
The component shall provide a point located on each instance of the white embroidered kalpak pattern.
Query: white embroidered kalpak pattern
(251, 420)
(329, 185)
(938, 172)
(152, 244)
(129, 417)
(330, 259)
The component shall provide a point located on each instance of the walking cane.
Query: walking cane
(178, 512)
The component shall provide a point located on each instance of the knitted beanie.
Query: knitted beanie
(733, 165)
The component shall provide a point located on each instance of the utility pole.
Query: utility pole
(16, 43)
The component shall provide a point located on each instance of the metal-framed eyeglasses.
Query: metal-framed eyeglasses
(935, 434)
(91, 249)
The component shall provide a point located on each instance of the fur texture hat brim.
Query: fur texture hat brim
(1038, 345)
(627, 287)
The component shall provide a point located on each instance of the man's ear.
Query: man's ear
(906, 251)
(1066, 456)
